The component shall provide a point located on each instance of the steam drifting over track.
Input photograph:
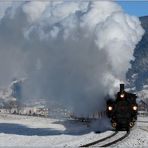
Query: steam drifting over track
(73, 52)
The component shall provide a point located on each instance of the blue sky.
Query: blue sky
(138, 8)
(132, 7)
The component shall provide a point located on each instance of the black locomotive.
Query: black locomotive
(122, 110)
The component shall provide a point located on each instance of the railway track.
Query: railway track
(109, 140)
(144, 129)
(143, 121)
(117, 140)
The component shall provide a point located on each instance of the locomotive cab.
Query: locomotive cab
(123, 110)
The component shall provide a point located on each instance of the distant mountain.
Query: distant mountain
(138, 74)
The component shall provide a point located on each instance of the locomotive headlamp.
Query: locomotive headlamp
(135, 108)
(122, 95)
(110, 108)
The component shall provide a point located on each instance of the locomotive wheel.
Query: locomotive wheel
(131, 124)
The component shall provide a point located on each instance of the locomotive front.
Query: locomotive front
(122, 110)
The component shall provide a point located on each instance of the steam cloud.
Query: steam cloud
(74, 52)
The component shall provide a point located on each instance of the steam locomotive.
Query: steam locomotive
(123, 110)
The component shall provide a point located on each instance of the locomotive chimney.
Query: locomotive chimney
(121, 87)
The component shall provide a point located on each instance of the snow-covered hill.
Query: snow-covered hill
(143, 94)
(138, 74)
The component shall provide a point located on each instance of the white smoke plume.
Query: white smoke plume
(73, 52)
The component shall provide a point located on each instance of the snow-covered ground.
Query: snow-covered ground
(18, 130)
(138, 136)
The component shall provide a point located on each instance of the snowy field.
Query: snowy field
(18, 130)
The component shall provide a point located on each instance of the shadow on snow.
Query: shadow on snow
(18, 129)
(72, 127)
